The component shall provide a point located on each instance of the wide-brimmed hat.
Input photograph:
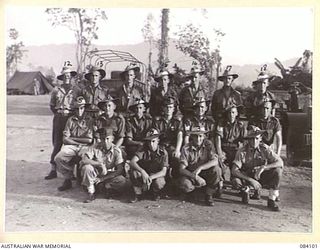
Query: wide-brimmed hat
(131, 66)
(199, 100)
(151, 134)
(138, 101)
(93, 69)
(108, 98)
(253, 132)
(227, 72)
(194, 70)
(104, 132)
(197, 131)
(162, 73)
(66, 69)
(80, 101)
(263, 75)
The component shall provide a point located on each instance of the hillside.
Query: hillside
(53, 55)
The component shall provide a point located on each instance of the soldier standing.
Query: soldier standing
(192, 91)
(94, 92)
(61, 101)
(131, 88)
(163, 90)
(261, 93)
(225, 96)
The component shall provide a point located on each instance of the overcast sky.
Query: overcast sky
(253, 35)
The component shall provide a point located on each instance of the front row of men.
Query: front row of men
(165, 153)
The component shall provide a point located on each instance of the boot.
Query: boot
(51, 175)
(245, 195)
(209, 200)
(256, 195)
(273, 206)
(91, 198)
(136, 198)
(67, 184)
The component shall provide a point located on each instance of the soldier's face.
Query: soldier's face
(197, 139)
(108, 141)
(196, 79)
(109, 108)
(232, 114)
(153, 144)
(95, 77)
(228, 81)
(67, 78)
(201, 108)
(130, 76)
(165, 80)
(140, 109)
(169, 109)
(262, 86)
(254, 142)
(267, 109)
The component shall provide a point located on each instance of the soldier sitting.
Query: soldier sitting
(137, 126)
(170, 127)
(149, 167)
(103, 163)
(111, 119)
(256, 165)
(225, 96)
(199, 165)
(229, 134)
(199, 119)
(77, 136)
(269, 123)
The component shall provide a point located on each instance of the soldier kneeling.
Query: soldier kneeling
(256, 165)
(149, 167)
(199, 165)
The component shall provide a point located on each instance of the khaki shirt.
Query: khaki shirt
(157, 97)
(128, 97)
(153, 162)
(168, 129)
(220, 101)
(230, 133)
(116, 123)
(247, 157)
(137, 128)
(62, 99)
(193, 157)
(205, 122)
(110, 158)
(255, 100)
(79, 127)
(94, 95)
(187, 97)
(271, 125)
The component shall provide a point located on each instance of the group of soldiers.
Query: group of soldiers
(169, 144)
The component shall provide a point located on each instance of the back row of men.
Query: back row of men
(175, 144)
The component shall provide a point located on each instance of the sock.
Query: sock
(272, 194)
(91, 189)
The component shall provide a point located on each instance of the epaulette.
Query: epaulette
(178, 118)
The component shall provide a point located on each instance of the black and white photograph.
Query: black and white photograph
(159, 119)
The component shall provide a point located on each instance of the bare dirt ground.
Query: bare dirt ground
(33, 204)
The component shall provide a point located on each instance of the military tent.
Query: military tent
(23, 83)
